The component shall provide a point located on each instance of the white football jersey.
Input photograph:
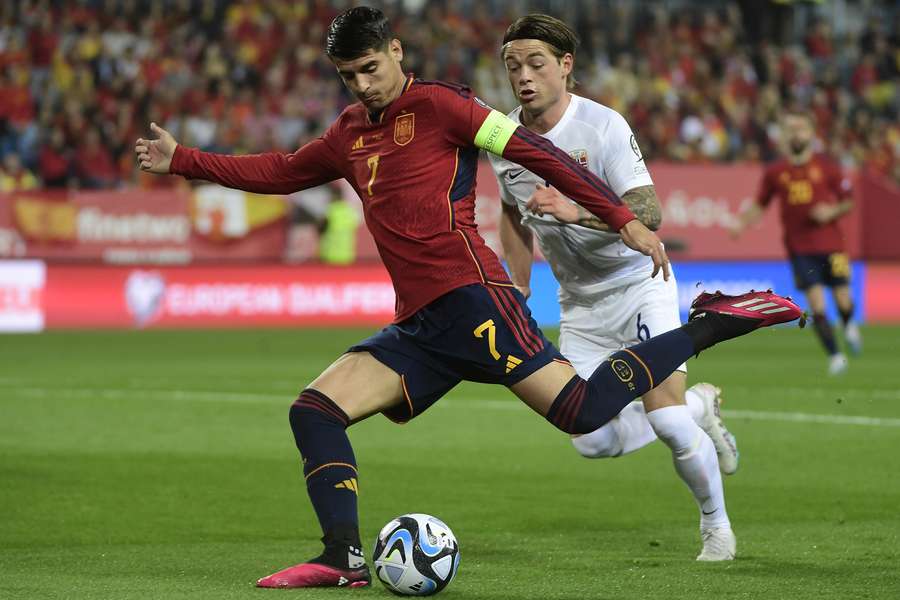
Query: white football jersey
(585, 261)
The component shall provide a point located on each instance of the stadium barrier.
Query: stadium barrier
(211, 224)
(22, 285)
(131, 226)
(35, 295)
(233, 296)
(212, 257)
(882, 292)
(880, 214)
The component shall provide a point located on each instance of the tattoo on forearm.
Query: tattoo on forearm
(590, 220)
(645, 205)
(641, 200)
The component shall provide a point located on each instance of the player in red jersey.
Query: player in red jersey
(409, 149)
(814, 195)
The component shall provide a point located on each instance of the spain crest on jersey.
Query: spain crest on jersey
(404, 128)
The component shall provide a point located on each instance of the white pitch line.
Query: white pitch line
(754, 415)
(112, 394)
(855, 393)
(817, 392)
(793, 417)
(511, 404)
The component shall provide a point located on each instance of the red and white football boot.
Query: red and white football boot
(762, 308)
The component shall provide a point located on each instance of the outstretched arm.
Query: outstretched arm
(842, 188)
(468, 123)
(749, 216)
(155, 156)
(754, 211)
(641, 200)
(645, 205)
(270, 173)
(541, 157)
(826, 213)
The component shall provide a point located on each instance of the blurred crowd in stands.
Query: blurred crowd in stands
(80, 80)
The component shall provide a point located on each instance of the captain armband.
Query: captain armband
(494, 133)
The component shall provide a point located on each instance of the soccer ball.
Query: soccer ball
(416, 555)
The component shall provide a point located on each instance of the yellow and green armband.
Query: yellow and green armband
(495, 132)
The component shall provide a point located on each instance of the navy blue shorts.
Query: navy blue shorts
(481, 333)
(831, 270)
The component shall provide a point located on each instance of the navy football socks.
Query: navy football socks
(585, 405)
(319, 427)
(846, 315)
(825, 333)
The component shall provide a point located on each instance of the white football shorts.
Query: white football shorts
(617, 318)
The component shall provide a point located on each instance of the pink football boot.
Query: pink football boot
(762, 308)
(316, 575)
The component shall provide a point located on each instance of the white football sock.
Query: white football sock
(600, 443)
(695, 461)
(626, 433)
(634, 429)
(695, 404)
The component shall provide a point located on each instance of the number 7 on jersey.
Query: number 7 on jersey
(373, 166)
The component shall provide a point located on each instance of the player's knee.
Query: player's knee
(581, 407)
(675, 427)
(668, 393)
(295, 416)
(600, 443)
(314, 409)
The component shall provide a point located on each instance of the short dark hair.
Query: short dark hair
(355, 31)
(550, 30)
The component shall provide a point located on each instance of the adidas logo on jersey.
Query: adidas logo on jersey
(358, 144)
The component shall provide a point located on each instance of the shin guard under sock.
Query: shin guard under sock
(584, 405)
(319, 427)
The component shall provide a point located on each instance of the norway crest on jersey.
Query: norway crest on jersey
(404, 128)
(580, 156)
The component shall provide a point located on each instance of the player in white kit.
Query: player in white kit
(607, 299)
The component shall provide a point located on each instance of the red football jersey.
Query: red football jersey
(799, 188)
(414, 167)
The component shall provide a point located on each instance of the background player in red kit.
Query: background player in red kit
(814, 196)
(409, 149)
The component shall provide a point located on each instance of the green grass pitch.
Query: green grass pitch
(161, 465)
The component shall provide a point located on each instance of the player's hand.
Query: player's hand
(821, 213)
(548, 201)
(524, 290)
(637, 237)
(156, 155)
